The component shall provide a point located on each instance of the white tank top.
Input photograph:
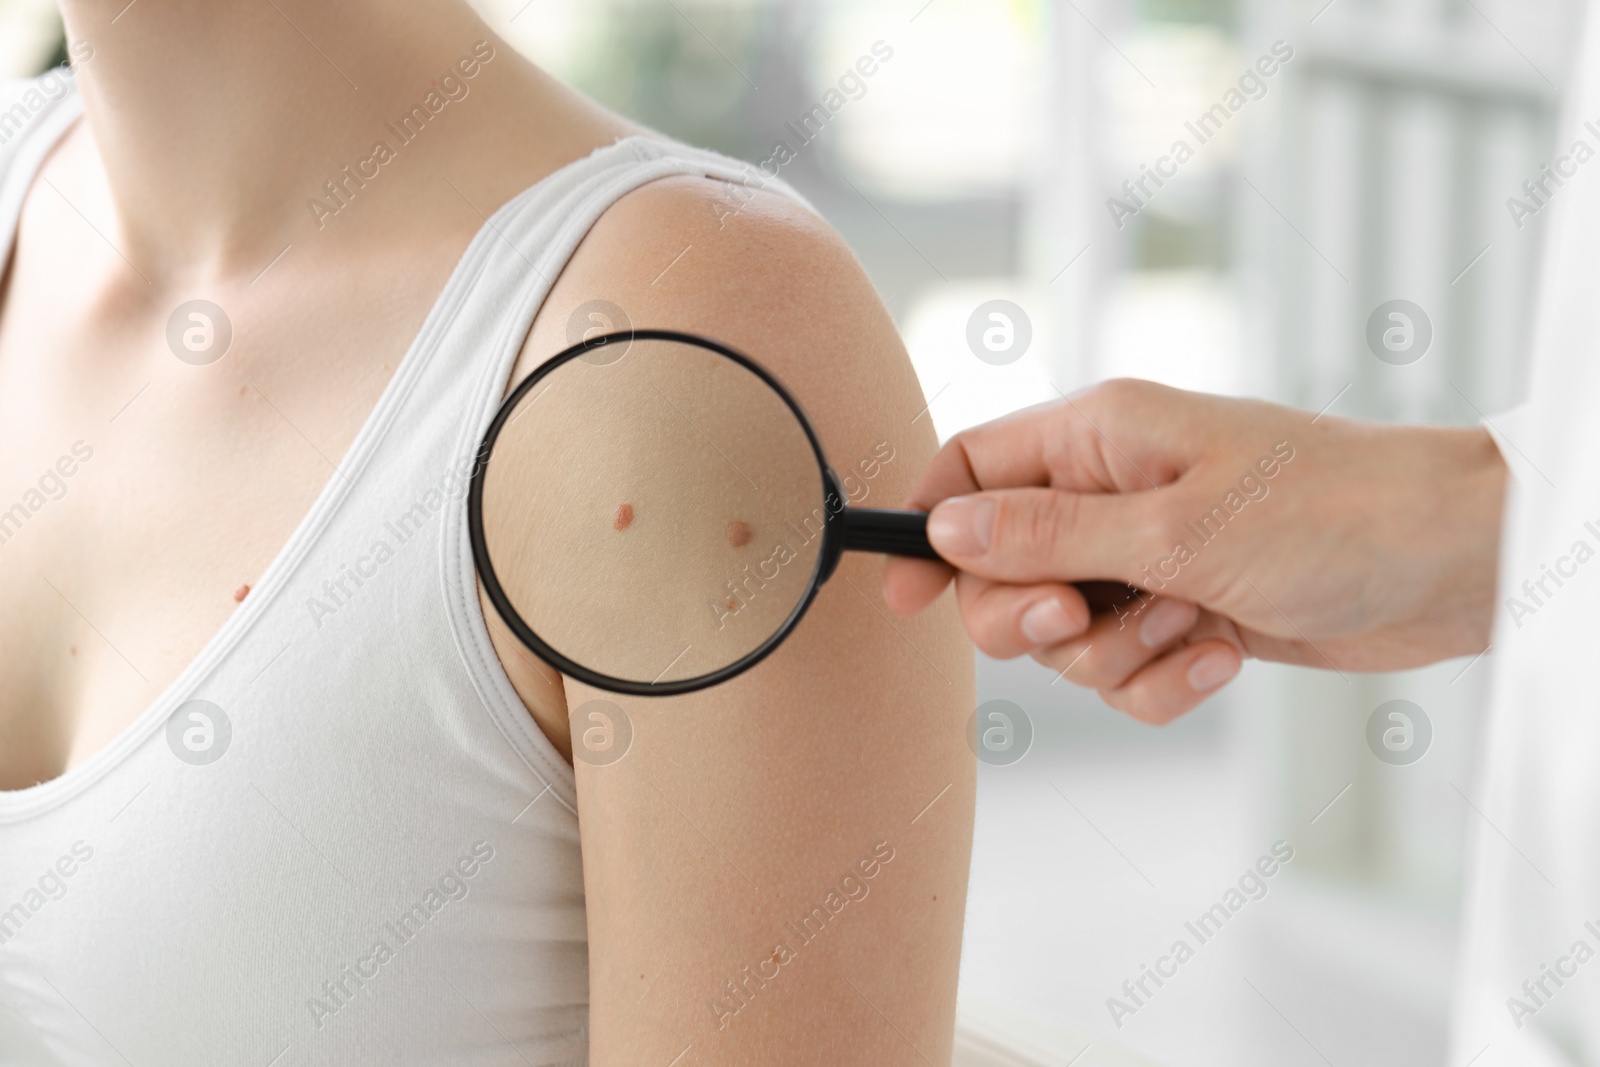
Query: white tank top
(360, 848)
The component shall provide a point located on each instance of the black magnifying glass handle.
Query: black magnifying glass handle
(886, 532)
(905, 533)
(889, 532)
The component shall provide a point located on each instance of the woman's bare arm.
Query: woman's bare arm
(767, 881)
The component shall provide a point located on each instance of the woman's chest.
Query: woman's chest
(153, 462)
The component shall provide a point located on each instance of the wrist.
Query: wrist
(1473, 500)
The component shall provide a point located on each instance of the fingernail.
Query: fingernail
(1048, 623)
(962, 526)
(1212, 670)
(1166, 620)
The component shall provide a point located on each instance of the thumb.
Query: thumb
(1021, 536)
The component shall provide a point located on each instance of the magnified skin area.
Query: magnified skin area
(691, 435)
(739, 809)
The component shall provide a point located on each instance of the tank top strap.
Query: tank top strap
(34, 113)
(525, 246)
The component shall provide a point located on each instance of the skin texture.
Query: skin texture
(734, 811)
(1374, 548)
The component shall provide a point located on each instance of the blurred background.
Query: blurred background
(979, 163)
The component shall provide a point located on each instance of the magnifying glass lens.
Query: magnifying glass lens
(653, 511)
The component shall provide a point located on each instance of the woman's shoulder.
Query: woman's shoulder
(752, 265)
(712, 235)
(733, 219)
(707, 244)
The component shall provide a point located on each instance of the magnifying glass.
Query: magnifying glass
(652, 513)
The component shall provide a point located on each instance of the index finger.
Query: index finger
(1117, 437)
(1011, 448)
(970, 459)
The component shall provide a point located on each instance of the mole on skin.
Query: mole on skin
(623, 518)
(240, 593)
(739, 533)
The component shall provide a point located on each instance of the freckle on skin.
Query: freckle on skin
(240, 593)
(733, 605)
(623, 518)
(739, 533)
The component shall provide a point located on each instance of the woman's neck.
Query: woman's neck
(215, 121)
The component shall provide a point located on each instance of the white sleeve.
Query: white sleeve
(1509, 430)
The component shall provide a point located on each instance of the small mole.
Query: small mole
(240, 593)
(242, 389)
(733, 605)
(623, 518)
(74, 650)
(739, 533)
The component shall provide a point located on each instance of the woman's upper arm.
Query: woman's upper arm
(776, 870)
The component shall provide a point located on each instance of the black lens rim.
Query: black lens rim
(542, 648)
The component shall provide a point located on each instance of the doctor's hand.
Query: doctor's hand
(1251, 530)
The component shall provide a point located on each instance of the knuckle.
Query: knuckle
(1078, 662)
(989, 636)
(1157, 526)
(1102, 667)
(1120, 700)
(1120, 390)
(1116, 395)
(957, 452)
(1036, 524)
(1149, 696)
(961, 444)
(1136, 703)
(985, 619)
